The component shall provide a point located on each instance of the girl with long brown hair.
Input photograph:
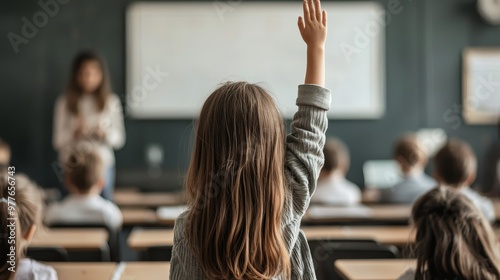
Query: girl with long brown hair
(21, 200)
(89, 115)
(248, 186)
(453, 239)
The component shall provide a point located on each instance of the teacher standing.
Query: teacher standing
(89, 114)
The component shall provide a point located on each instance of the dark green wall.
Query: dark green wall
(423, 58)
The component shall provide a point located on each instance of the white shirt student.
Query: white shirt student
(91, 209)
(484, 204)
(336, 190)
(84, 181)
(333, 188)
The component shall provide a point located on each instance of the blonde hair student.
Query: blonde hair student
(453, 239)
(248, 186)
(26, 211)
(84, 180)
(455, 166)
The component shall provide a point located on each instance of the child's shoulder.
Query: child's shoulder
(30, 270)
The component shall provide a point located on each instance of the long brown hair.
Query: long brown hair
(236, 186)
(74, 90)
(28, 212)
(454, 240)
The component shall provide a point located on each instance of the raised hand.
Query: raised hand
(313, 30)
(312, 26)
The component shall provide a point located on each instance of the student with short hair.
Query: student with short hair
(333, 187)
(84, 180)
(453, 239)
(412, 159)
(455, 166)
(27, 212)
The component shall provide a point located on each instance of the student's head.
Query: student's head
(336, 158)
(88, 75)
(4, 157)
(455, 164)
(409, 154)
(83, 172)
(453, 239)
(236, 185)
(27, 211)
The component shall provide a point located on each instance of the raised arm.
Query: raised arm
(304, 156)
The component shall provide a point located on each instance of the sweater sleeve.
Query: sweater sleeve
(183, 264)
(113, 126)
(62, 132)
(304, 145)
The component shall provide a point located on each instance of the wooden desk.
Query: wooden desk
(147, 200)
(71, 239)
(378, 214)
(393, 235)
(84, 270)
(146, 270)
(139, 216)
(389, 269)
(141, 239)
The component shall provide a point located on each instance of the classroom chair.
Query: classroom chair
(159, 253)
(326, 252)
(111, 252)
(48, 254)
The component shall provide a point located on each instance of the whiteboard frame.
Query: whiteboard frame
(377, 111)
(469, 113)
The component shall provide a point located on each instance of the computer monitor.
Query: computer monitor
(381, 174)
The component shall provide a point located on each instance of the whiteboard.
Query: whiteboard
(179, 52)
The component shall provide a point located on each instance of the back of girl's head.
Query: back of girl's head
(453, 239)
(27, 211)
(236, 185)
(75, 89)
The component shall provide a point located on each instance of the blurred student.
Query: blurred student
(84, 180)
(455, 167)
(27, 212)
(333, 188)
(412, 159)
(453, 239)
(89, 113)
(491, 170)
(248, 186)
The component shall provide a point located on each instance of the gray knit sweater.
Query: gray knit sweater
(304, 159)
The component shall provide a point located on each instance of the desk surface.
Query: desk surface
(141, 239)
(147, 200)
(389, 269)
(71, 239)
(394, 235)
(374, 213)
(139, 216)
(84, 270)
(146, 270)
